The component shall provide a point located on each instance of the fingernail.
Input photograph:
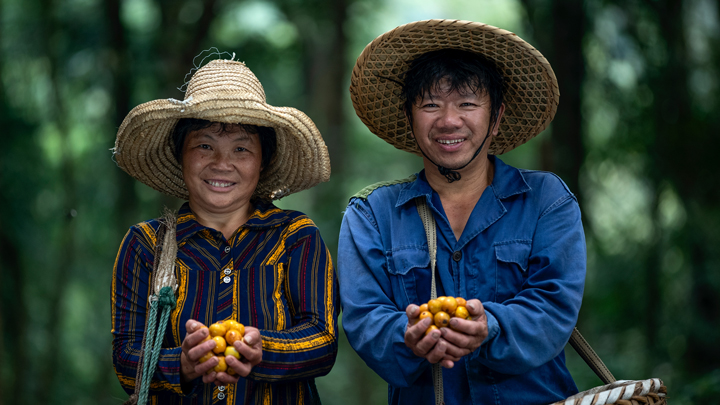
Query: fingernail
(471, 306)
(436, 334)
(248, 340)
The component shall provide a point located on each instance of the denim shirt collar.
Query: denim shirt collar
(507, 182)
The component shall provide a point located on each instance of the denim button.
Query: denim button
(457, 256)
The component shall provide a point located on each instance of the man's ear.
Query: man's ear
(496, 126)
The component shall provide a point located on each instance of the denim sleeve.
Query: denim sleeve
(373, 323)
(534, 326)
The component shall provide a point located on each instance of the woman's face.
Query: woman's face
(221, 168)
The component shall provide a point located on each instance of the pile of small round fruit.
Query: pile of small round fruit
(440, 310)
(224, 333)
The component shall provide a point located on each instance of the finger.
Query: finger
(243, 368)
(192, 325)
(250, 347)
(210, 377)
(224, 378)
(459, 332)
(447, 363)
(202, 368)
(475, 308)
(438, 350)
(416, 332)
(412, 311)
(194, 338)
(200, 350)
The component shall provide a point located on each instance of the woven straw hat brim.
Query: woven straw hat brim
(144, 150)
(531, 90)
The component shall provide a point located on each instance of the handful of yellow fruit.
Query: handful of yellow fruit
(224, 333)
(440, 310)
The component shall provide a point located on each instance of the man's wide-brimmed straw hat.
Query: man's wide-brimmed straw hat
(531, 90)
(222, 91)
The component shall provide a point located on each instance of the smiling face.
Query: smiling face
(450, 125)
(221, 168)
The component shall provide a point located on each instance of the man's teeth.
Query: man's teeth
(451, 141)
(218, 183)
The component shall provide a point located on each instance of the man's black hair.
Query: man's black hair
(268, 138)
(463, 70)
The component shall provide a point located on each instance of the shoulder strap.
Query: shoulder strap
(430, 229)
(577, 341)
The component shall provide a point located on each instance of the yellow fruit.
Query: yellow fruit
(449, 305)
(425, 314)
(206, 357)
(230, 371)
(461, 301)
(441, 319)
(462, 312)
(230, 324)
(430, 329)
(423, 307)
(220, 344)
(230, 351)
(217, 329)
(434, 306)
(232, 336)
(221, 366)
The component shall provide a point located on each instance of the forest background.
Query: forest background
(633, 138)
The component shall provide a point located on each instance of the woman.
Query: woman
(229, 153)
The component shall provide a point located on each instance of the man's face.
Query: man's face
(449, 126)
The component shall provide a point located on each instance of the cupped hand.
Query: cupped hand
(250, 349)
(432, 346)
(466, 335)
(194, 346)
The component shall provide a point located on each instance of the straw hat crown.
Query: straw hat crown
(225, 76)
(222, 91)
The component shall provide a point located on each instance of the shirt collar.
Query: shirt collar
(265, 215)
(507, 181)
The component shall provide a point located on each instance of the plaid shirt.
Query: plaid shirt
(274, 273)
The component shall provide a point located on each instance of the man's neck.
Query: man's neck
(460, 197)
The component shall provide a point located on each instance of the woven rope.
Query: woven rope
(222, 91)
(623, 392)
(429, 224)
(531, 90)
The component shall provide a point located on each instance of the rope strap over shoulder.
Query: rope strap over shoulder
(161, 298)
(430, 232)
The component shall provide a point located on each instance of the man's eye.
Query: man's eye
(204, 146)
(241, 149)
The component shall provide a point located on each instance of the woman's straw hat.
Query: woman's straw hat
(222, 91)
(531, 90)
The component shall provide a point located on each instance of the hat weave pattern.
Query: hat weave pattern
(228, 92)
(531, 91)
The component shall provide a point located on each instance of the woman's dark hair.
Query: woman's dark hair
(463, 70)
(268, 139)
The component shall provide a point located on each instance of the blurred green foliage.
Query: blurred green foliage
(635, 137)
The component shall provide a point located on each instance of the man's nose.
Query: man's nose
(450, 118)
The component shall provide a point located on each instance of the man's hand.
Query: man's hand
(431, 347)
(466, 335)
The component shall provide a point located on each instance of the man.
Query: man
(510, 241)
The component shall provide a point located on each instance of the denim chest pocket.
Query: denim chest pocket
(402, 265)
(511, 268)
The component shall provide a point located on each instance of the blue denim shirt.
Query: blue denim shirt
(522, 254)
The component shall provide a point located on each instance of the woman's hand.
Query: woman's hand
(193, 348)
(250, 349)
